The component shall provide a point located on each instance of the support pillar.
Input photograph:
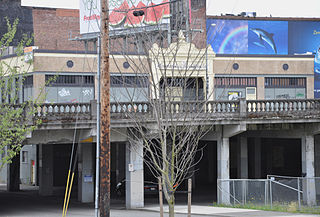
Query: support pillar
(243, 158)
(45, 170)
(85, 169)
(257, 158)
(13, 174)
(223, 191)
(307, 150)
(134, 175)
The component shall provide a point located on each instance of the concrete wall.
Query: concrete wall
(264, 65)
(261, 67)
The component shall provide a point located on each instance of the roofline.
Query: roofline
(117, 53)
(236, 17)
(81, 52)
(266, 55)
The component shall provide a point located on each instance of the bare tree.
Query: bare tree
(165, 99)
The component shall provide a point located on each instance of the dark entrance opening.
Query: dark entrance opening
(205, 176)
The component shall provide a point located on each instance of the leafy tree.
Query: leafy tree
(16, 115)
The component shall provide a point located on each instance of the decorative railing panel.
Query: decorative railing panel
(63, 109)
(287, 106)
(240, 109)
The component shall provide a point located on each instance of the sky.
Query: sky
(275, 8)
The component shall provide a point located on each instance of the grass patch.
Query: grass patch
(290, 207)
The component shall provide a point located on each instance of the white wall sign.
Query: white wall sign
(89, 16)
(69, 4)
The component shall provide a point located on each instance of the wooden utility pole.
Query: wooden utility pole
(105, 114)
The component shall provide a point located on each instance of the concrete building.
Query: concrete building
(242, 145)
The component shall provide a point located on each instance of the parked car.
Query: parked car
(149, 188)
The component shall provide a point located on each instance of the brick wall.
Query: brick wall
(198, 21)
(53, 26)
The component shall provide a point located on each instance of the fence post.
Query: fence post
(299, 199)
(234, 194)
(218, 191)
(271, 193)
(242, 186)
(265, 192)
(189, 197)
(245, 191)
(160, 196)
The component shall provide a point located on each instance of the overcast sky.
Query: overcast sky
(276, 8)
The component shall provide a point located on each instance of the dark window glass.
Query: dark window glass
(285, 82)
(235, 82)
(129, 81)
(70, 80)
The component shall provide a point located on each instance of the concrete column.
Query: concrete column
(86, 173)
(257, 158)
(307, 150)
(243, 158)
(223, 192)
(317, 162)
(134, 175)
(260, 88)
(39, 81)
(45, 170)
(13, 174)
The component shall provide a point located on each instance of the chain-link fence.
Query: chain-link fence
(279, 190)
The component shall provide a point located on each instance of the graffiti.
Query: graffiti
(283, 96)
(63, 92)
(87, 92)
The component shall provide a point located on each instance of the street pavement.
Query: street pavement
(30, 204)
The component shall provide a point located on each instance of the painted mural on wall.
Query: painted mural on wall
(247, 37)
(267, 38)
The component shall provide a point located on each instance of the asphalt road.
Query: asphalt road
(30, 204)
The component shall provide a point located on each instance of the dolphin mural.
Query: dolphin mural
(264, 37)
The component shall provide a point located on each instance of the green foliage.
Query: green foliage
(16, 117)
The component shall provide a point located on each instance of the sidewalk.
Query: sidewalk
(228, 212)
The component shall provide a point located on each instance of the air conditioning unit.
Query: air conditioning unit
(251, 93)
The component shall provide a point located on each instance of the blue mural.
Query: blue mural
(304, 37)
(317, 74)
(267, 37)
(228, 36)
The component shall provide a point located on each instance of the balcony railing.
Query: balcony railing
(303, 108)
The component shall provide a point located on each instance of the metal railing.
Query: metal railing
(275, 190)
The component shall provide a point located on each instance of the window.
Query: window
(70, 80)
(28, 81)
(24, 157)
(129, 81)
(285, 82)
(235, 82)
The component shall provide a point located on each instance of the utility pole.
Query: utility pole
(105, 114)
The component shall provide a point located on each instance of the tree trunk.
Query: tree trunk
(171, 206)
